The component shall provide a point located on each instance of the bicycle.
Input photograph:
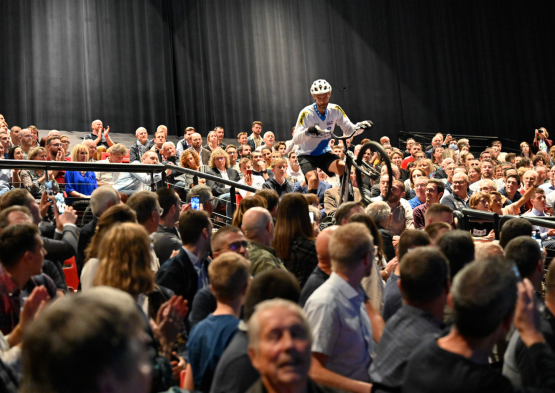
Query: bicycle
(361, 168)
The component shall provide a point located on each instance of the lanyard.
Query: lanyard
(322, 117)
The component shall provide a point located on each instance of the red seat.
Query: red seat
(70, 273)
(126, 159)
(105, 155)
(238, 198)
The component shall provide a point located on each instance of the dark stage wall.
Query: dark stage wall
(467, 67)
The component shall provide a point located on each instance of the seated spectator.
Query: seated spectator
(212, 142)
(117, 153)
(244, 206)
(102, 199)
(204, 194)
(166, 238)
(16, 153)
(117, 214)
(332, 199)
(79, 324)
(248, 178)
(129, 182)
(433, 193)
(219, 164)
(258, 227)
(80, 184)
(401, 211)
(229, 277)
(190, 159)
(245, 151)
(259, 166)
(513, 229)
(346, 211)
(95, 152)
(185, 143)
(235, 360)
(186, 273)
(141, 146)
(414, 174)
(294, 238)
(323, 186)
(231, 151)
(159, 140)
(481, 201)
(424, 287)
(441, 172)
(99, 135)
(460, 197)
(380, 212)
(55, 152)
(342, 347)
(26, 141)
(392, 299)
(483, 299)
(294, 172)
(459, 249)
(35, 180)
(279, 182)
(420, 191)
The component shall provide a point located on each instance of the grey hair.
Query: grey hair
(204, 193)
(101, 197)
(378, 211)
(167, 144)
(254, 323)
(490, 182)
(269, 132)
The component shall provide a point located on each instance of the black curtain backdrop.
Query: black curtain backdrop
(468, 67)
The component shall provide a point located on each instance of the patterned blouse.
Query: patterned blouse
(30, 181)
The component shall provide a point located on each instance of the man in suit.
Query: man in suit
(187, 273)
(332, 199)
(102, 199)
(196, 144)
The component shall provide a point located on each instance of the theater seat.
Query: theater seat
(70, 273)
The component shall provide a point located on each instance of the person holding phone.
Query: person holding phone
(541, 141)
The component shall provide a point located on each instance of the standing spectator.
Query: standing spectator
(541, 141)
(166, 238)
(255, 140)
(342, 347)
(99, 135)
(220, 132)
(185, 143)
(229, 278)
(294, 237)
(141, 146)
(196, 144)
(80, 184)
(259, 230)
(424, 286)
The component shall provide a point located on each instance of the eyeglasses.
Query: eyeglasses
(56, 144)
(235, 246)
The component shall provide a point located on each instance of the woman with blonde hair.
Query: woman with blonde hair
(34, 180)
(80, 184)
(481, 201)
(525, 150)
(294, 237)
(219, 166)
(212, 141)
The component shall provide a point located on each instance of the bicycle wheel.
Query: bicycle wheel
(363, 168)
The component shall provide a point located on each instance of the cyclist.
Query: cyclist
(313, 132)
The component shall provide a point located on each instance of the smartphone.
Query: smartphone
(311, 215)
(249, 172)
(49, 190)
(540, 243)
(195, 203)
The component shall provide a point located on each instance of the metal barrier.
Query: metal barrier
(135, 168)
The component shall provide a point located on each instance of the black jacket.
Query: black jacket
(219, 188)
(166, 240)
(179, 275)
(440, 174)
(87, 232)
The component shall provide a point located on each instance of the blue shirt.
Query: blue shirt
(79, 183)
(207, 342)
(414, 202)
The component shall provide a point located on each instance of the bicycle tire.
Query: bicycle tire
(374, 148)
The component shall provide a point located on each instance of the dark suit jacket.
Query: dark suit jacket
(322, 187)
(165, 242)
(179, 275)
(87, 233)
(219, 188)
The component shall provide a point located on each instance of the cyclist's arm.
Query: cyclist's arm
(300, 135)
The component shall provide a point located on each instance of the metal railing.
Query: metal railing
(135, 168)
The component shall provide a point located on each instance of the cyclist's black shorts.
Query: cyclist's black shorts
(323, 161)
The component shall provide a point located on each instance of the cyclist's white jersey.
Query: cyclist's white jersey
(315, 145)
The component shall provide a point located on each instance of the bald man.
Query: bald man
(141, 145)
(99, 134)
(323, 271)
(258, 227)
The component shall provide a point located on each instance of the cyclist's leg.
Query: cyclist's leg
(312, 181)
(338, 167)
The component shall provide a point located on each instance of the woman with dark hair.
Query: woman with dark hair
(293, 237)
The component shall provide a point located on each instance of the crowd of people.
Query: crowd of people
(298, 291)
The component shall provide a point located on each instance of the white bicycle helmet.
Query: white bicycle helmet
(320, 86)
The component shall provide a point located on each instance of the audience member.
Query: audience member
(255, 140)
(434, 192)
(129, 182)
(346, 211)
(245, 205)
(342, 346)
(185, 143)
(459, 249)
(279, 182)
(117, 153)
(460, 197)
(332, 197)
(259, 230)
(166, 239)
(141, 146)
(513, 229)
(99, 134)
(424, 287)
(196, 145)
(436, 230)
(420, 191)
(80, 184)
(380, 212)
